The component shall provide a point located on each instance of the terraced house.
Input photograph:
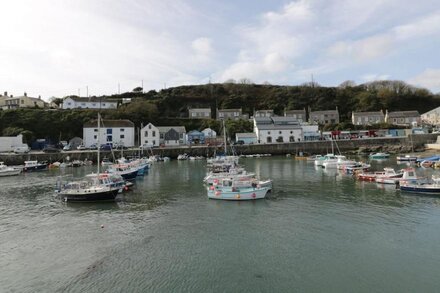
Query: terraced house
(367, 118)
(403, 118)
(324, 117)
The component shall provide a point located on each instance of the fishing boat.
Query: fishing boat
(355, 167)
(8, 171)
(406, 158)
(379, 156)
(91, 188)
(125, 170)
(432, 187)
(233, 173)
(312, 159)
(228, 189)
(410, 177)
(321, 160)
(30, 166)
(390, 176)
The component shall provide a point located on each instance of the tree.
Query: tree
(346, 84)
(138, 89)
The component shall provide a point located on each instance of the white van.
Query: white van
(21, 149)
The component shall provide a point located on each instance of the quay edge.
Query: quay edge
(416, 141)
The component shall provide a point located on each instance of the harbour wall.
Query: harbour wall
(400, 144)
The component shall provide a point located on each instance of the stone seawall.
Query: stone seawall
(397, 144)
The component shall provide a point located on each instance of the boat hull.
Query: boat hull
(248, 194)
(421, 189)
(108, 195)
(41, 167)
(9, 173)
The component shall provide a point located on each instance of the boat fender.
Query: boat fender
(237, 196)
(258, 186)
(211, 187)
(254, 195)
(218, 193)
(126, 188)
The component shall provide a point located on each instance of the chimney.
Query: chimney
(25, 94)
(39, 97)
(6, 94)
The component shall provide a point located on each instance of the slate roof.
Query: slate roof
(375, 113)
(399, 114)
(92, 99)
(180, 129)
(109, 124)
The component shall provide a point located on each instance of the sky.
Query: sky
(70, 47)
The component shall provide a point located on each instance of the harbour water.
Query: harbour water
(319, 231)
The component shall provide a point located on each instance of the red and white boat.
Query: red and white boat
(390, 176)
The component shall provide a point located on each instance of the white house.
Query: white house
(277, 129)
(150, 135)
(112, 131)
(74, 102)
(8, 143)
(431, 117)
(199, 113)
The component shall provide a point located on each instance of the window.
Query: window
(69, 103)
(181, 135)
(236, 114)
(103, 105)
(22, 101)
(193, 114)
(154, 142)
(220, 115)
(146, 133)
(269, 139)
(206, 114)
(95, 130)
(268, 132)
(291, 138)
(94, 104)
(149, 126)
(161, 135)
(154, 133)
(95, 136)
(83, 104)
(146, 141)
(109, 138)
(122, 129)
(291, 132)
(280, 132)
(122, 136)
(109, 131)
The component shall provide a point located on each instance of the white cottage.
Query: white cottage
(112, 131)
(74, 102)
(150, 136)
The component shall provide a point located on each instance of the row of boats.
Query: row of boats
(227, 180)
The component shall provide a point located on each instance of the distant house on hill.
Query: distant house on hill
(367, 118)
(74, 102)
(111, 132)
(263, 113)
(24, 101)
(233, 114)
(300, 115)
(199, 113)
(403, 118)
(324, 117)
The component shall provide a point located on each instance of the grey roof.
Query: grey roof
(368, 113)
(263, 120)
(403, 114)
(284, 120)
(324, 112)
(109, 123)
(180, 129)
(264, 111)
(200, 110)
(229, 110)
(278, 126)
(303, 111)
(92, 99)
(246, 134)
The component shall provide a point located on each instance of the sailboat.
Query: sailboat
(92, 188)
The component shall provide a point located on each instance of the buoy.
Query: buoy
(237, 196)
(218, 193)
(102, 226)
(211, 187)
(126, 188)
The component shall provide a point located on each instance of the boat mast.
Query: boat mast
(97, 142)
(224, 136)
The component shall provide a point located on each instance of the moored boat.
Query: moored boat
(432, 187)
(30, 166)
(389, 177)
(8, 171)
(240, 190)
(90, 189)
(379, 156)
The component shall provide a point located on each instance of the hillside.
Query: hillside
(170, 106)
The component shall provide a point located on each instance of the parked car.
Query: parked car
(93, 146)
(21, 149)
(239, 142)
(105, 147)
(51, 149)
(67, 148)
(81, 147)
(146, 146)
